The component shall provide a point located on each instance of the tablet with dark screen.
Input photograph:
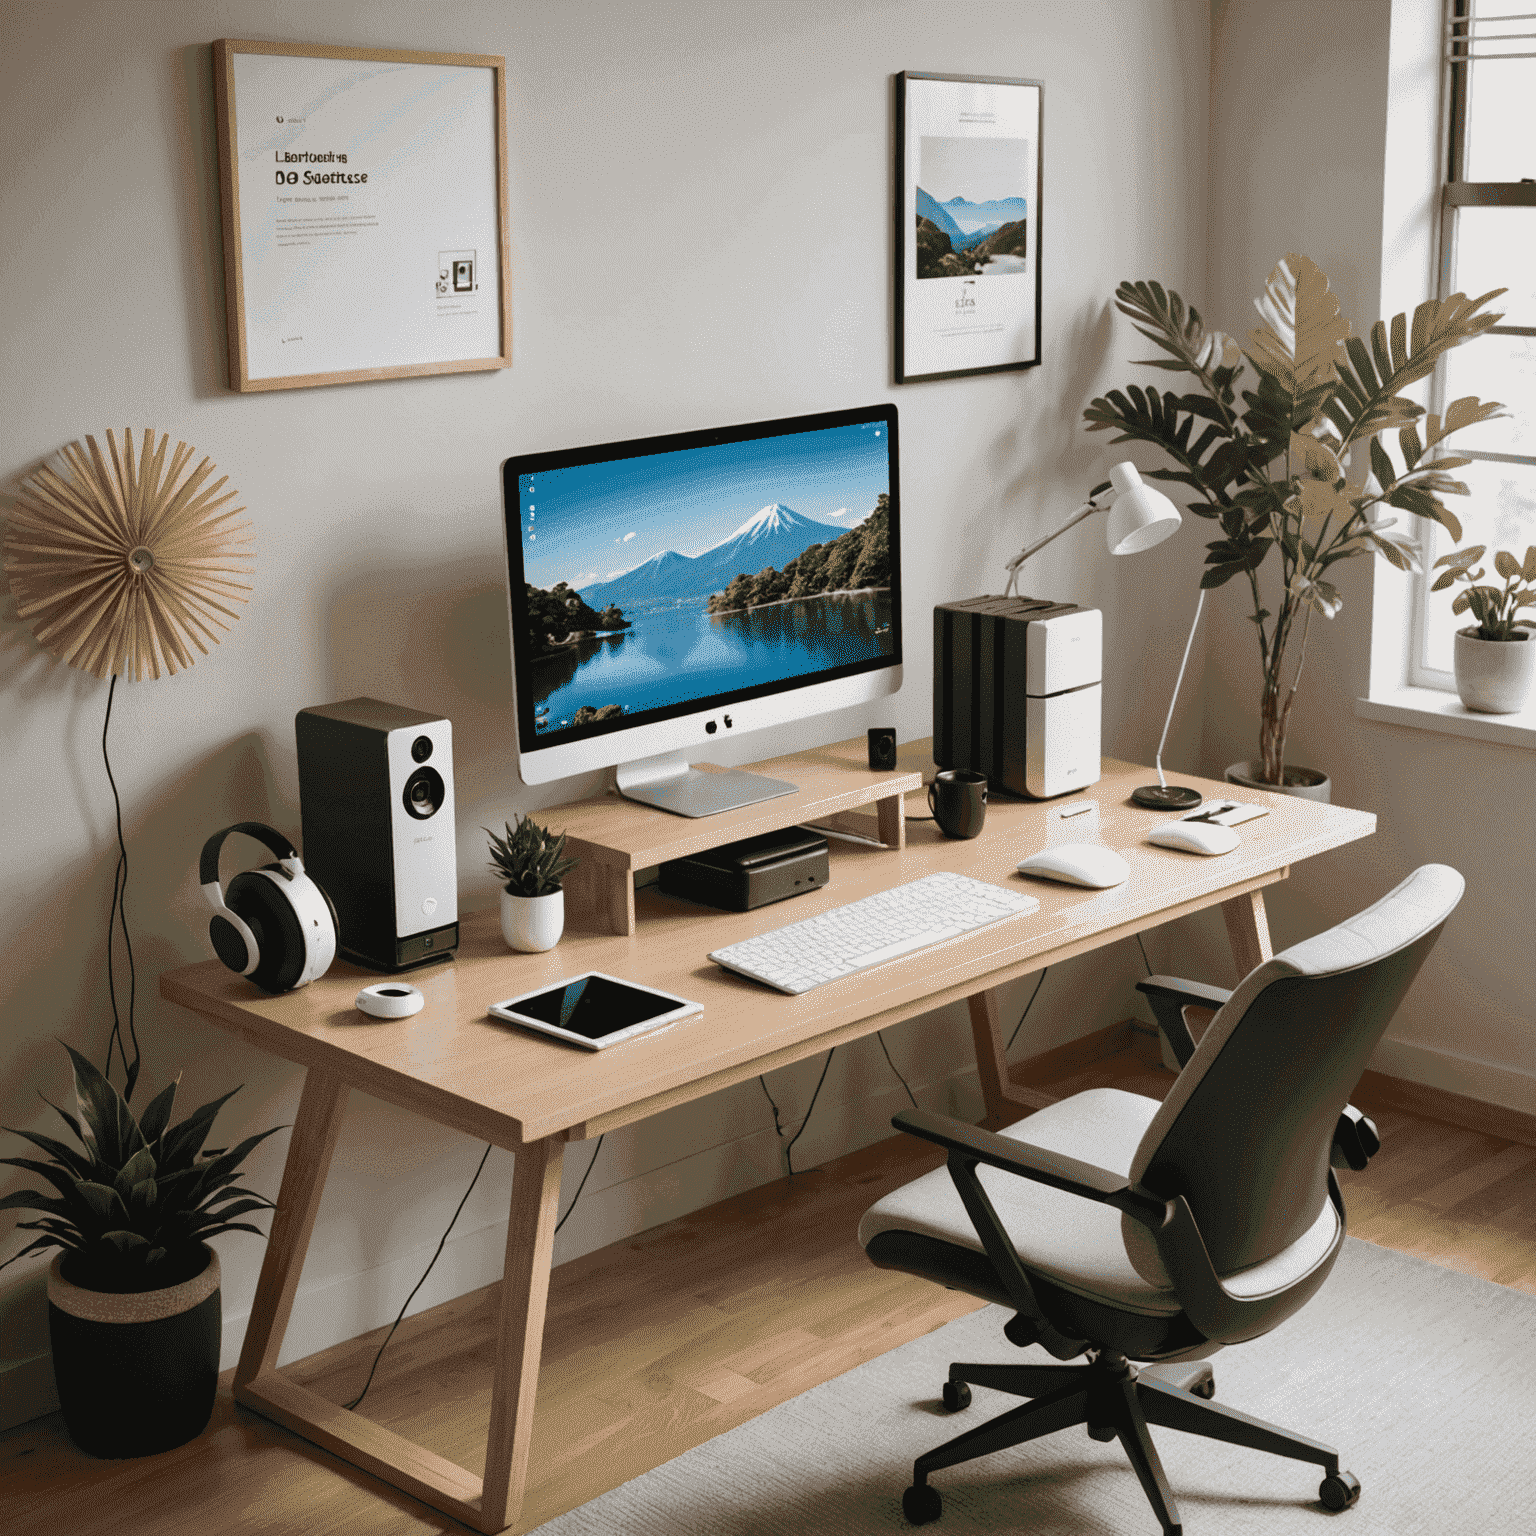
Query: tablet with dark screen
(594, 1010)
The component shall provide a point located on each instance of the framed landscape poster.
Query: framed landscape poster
(365, 213)
(967, 225)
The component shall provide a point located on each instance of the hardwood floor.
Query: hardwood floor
(662, 1341)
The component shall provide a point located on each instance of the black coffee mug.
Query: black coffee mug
(958, 800)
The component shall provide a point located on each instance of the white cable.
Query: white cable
(1178, 682)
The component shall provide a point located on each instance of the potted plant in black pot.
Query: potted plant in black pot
(529, 861)
(1493, 667)
(134, 1313)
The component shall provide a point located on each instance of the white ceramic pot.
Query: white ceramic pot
(532, 924)
(1494, 676)
(1310, 784)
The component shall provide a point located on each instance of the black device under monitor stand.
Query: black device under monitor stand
(1164, 796)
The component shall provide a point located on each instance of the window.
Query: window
(1487, 240)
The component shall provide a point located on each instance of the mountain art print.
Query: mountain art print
(972, 215)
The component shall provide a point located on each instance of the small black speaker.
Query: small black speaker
(882, 747)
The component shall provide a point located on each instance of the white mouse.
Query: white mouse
(1078, 864)
(1206, 837)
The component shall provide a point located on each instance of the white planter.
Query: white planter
(1317, 786)
(1493, 677)
(532, 924)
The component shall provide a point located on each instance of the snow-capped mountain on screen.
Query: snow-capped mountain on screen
(771, 537)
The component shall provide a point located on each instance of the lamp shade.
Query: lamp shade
(1140, 516)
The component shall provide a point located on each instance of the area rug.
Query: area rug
(1424, 1379)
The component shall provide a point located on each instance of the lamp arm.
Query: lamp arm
(1178, 683)
(1087, 509)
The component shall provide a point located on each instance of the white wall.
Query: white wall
(700, 203)
(1305, 156)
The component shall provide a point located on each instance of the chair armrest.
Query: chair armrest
(1169, 996)
(966, 1146)
(1054, 1169)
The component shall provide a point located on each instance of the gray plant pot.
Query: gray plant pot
(1301, 783)
(1493, 677)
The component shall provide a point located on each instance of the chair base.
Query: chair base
(1115, 1399)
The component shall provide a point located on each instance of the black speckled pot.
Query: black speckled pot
(136, 1374)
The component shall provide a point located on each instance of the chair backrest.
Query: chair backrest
(1244, 1134)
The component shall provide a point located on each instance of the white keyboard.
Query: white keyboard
(881, 927)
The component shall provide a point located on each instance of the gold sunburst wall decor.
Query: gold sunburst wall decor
(124, 564)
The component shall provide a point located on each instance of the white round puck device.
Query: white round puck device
(390, 1000)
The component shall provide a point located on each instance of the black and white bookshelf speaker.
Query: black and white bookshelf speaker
(376, 795)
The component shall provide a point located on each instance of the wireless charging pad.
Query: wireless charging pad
(1167, 797)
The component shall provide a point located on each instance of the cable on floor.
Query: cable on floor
(443, 1240)
(588, 1174)
(880, 1036)
(1027, 1006)
(778, 1123)
(790, 1149)
(1144, 959)
(427, 1271)
(117, 914)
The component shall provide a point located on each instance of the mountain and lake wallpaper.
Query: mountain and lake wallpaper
(728, 597)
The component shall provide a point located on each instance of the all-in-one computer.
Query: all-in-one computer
(669, 590)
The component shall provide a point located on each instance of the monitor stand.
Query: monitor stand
(668, 783)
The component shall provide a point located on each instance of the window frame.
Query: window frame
(1456, 192)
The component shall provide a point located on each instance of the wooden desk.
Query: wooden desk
(521, 1091)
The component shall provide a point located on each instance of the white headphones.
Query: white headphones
(273, 924)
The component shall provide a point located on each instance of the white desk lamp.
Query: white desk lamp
(1139, 517)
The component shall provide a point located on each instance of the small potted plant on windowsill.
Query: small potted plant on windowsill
(134, 1314)
(529, 860)
(1493, 667)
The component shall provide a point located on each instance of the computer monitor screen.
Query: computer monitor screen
(655, 584)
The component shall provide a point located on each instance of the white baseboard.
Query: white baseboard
(1434, 1067)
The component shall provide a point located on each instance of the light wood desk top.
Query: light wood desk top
(454, 1064)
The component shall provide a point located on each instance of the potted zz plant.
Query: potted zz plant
(1493, 670)
(134, 1314)
(529, 861)
(1296, 471)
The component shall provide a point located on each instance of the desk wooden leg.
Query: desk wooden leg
(520, 1330)
(1247, 931)
(315, 1129)
(1005, 1100)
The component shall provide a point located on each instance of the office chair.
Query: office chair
(1123, 1229)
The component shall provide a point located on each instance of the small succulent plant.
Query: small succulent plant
(529, 860)
(133, 1208)
(1493, 608)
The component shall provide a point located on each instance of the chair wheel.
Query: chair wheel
(1206, 1389)
(957, 1396)
(1340, 1490)
(921, 1503)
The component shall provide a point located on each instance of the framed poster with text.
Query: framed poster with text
(365, 213)
(967, 225)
